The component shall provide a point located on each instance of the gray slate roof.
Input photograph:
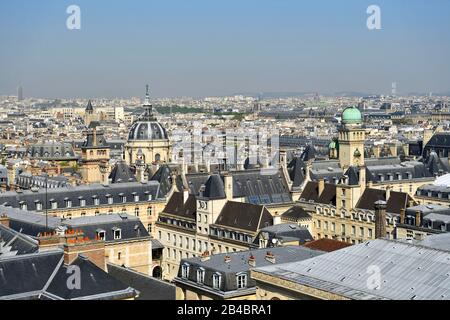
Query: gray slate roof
(239, 264)
(149, 288)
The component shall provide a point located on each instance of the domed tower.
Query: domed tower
(148, 138)
(351, 138)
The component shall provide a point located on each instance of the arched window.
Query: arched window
(157, 157)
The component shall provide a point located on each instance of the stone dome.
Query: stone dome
(351, 115)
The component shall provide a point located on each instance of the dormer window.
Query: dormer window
(68, 203)
(82, 202)
(110, 199)
(101, 234)
(96, 200)
(241, 281)
(185, 271)
(117, 233)
(136, 197)
(23, 205)
(200, 275)
(38, 206)
(54, 204)
(217, 279)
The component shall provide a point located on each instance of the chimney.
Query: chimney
(205, 256)
(270, 257)
(4, 220)
(418, 218)
(49, 241)
(94, 137)
(321, 185)
(252, 261)
(402, 216)
(94, 250)
(380, 219)
(228, 181)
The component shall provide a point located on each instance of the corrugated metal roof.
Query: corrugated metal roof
(407, 271)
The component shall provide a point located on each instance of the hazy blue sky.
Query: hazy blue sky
(218, 47)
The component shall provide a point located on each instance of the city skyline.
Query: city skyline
(202, 49)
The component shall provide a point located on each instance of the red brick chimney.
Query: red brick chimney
(48, 241)
(93, 249)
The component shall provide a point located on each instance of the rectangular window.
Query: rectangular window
(241, 281)
(216, 281)
(200, 275)
(110, 200)
(185, 271)
(117, 234)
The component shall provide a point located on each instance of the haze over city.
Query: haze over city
(231, 153)
(208, 48)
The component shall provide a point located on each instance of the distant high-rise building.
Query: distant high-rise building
(20, 93)
(394, 89)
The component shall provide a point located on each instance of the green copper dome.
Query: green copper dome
(351, 115)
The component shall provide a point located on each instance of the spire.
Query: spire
(147, 96)
(148, 114)
(89, 106)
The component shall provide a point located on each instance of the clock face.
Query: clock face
(203, 205)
